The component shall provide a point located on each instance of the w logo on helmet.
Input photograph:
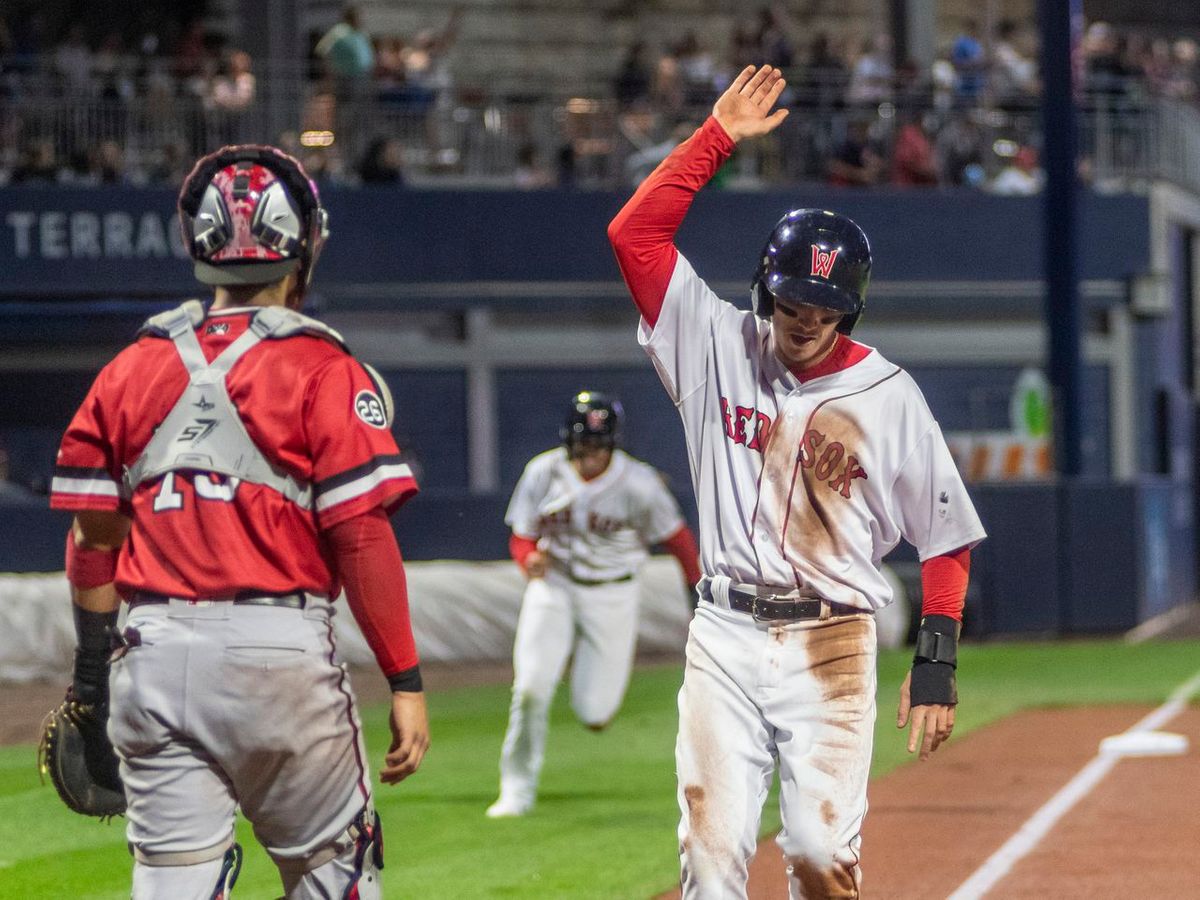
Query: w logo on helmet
(823, 260)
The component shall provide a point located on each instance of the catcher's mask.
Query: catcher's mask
(815, 257)
(251, 215)
(593, 421)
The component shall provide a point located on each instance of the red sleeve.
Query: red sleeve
(643, 232)
(87, 474)
(682, 545)
(944, 584)
(370, 568)
(520, 547)
(357, 466)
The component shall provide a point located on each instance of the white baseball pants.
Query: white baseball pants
(219, 706)
(800, 696)
(596, 622)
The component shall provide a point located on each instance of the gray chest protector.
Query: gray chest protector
(203, 431)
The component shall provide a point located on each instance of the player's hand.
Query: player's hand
(536, 564)
(410, 737)
(744, 110)
(931, 725)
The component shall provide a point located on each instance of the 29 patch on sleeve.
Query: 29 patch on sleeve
(369, 408)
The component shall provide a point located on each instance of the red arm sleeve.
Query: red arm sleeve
(643, 232)
(682, 546)
(520, 547)
(944, 584)
(370, 568)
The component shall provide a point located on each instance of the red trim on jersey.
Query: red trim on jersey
(372, 571)
(88, 567)
(944, 583)
(845, 353)
(682, 545)
(519, 548)
(643, 232)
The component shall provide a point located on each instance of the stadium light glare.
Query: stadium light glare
(316, 138)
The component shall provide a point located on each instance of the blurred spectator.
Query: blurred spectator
(913, 160)
(697, 70)
(346, 48)
(425, 61)
(666, 87)
(350, 60)
(855, 161)
(105, 164)
(233, 90)
(383, 162)
(112, 69)
(73, 62)
(824, 79)
(871, 77)
(1021, 176)
(38, 163)
(959, 148)
(1184, 82)
(774, 41)
(1015, 73)
(969, 62)
(190, 51)
(530, 174)
(633, 79)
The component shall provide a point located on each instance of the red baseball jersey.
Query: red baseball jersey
(307, 405)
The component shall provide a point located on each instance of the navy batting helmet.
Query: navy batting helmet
(815, 257)
(593, 419)
(251, 215)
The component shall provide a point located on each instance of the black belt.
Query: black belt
(776, 608)
(294, 600)
(589, 582)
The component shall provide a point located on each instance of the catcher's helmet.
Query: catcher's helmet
(593, 419)
(251, 215)
(814, 257)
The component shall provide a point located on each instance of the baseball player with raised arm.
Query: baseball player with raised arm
(229, 473)
(582, 517)
(811, 456)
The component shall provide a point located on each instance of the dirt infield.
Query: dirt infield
(932, 824)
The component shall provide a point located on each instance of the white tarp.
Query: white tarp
(462, 612)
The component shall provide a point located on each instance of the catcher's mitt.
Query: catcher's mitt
(75, 752)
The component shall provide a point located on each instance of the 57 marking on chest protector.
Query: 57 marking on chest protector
(825, 460)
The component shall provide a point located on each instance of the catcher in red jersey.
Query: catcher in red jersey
(231, 472)
(812, 456)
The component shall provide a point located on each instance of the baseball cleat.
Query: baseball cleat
(508, 808)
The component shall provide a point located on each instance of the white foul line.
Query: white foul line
(1039, 824)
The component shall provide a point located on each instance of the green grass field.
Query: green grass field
(605, 823)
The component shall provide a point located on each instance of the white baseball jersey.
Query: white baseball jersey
(801, 485)
(596, 530)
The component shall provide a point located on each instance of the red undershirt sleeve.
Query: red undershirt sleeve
(643, 232)
(519, 548)
(682, 545)
(372, 572)
(944, 584)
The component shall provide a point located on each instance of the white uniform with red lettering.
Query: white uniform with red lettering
(804, 486)
(596, 534)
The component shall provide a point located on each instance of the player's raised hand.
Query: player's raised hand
(931, 724)
(744, 110)
(410, 737)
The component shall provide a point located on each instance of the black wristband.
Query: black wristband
(93, 632)
(937, 640)
(408, 681)
(932, 683)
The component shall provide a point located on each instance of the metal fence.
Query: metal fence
(153, 131)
